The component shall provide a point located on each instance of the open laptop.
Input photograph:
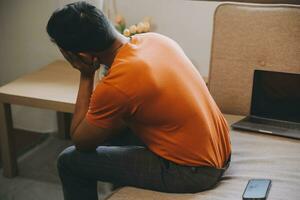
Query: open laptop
(275, 104)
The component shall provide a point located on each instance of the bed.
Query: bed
(254, 155)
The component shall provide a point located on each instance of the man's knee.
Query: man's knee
(64, 159)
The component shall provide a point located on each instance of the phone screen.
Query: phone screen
(257, 189)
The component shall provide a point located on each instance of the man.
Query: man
(151, 88)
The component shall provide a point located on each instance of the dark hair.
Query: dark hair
(81, 27)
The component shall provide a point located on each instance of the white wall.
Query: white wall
(24, 48)
(24, 44)
(187, 22)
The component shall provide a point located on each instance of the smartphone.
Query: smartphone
(257, 189)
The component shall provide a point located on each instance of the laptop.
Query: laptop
(275, 104)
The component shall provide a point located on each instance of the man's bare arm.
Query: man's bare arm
(84, 135)
(82, 102)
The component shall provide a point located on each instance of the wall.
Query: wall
(187, 22)
(24, 48)
(25, 45)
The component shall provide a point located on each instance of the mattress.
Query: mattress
(254, 155)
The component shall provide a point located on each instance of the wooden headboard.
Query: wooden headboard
(248, 37)
(296, 2)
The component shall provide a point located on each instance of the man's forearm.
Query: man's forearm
(83, 99)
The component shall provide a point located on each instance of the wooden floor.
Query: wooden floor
(26, 140)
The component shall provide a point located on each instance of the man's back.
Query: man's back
(154, 89)
(157, 91)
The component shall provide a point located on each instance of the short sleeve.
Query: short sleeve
(107, 107)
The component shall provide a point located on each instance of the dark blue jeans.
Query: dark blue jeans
(130, 165)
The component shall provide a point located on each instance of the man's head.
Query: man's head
(81, 27)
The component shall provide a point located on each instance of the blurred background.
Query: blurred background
(25, 46)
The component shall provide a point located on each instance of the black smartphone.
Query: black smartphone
(257, 189)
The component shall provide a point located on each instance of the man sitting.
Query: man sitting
(151, 89)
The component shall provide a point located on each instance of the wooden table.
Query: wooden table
(52, 87)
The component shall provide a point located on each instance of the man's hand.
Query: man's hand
(87, 66)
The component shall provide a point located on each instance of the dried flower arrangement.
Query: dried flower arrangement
(141, 27)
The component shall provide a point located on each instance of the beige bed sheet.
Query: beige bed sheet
(254, 156)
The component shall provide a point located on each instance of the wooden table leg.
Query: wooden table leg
(9, 158)
(64, 123)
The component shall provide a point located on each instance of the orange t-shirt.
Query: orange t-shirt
(154, 88)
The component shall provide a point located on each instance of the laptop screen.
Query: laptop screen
(276, 95)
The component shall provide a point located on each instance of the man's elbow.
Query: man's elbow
(82, 145)
(83, 148)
